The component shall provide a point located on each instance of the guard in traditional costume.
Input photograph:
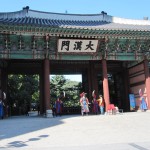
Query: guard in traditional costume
(59, 106)
(95, 103)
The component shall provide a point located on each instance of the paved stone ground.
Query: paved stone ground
(129, 131)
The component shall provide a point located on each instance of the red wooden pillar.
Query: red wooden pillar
(94, 79)
(147, 81)
(46, 85)
(96, 85)
(89, 83)
(105, 84)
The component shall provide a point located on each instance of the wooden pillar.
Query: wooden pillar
(83, 82)
(126, 102)
(89, 83)
(94, 82)
(147, 81)
(105, 84)
(41, 96)
(5, 83)
(46, 85)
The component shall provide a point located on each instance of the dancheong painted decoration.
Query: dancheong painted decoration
(30, 34)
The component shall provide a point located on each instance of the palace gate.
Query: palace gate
(101, 47)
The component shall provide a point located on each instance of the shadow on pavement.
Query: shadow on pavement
(19, 125)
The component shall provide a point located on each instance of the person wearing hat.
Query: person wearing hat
(84, 104)
(95, 103)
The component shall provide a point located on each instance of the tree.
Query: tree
(56, 85)
(66, 89)
(22, 91)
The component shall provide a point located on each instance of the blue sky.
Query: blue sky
(133, 9)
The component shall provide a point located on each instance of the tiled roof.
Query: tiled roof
(87, 21)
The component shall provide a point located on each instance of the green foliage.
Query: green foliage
(56, 85)
(60, 86)
(23, 90)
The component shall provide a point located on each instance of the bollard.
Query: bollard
(49, 113)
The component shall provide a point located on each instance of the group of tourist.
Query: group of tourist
(57, 107)
(97, 104)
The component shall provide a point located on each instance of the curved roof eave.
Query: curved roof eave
(78, 21)
(53, 16)
(110, 27)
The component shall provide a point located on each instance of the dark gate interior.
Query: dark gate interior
(91, 72)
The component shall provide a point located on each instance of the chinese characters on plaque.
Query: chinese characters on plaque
(77, 46)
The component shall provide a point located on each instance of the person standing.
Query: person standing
(38, 109)
(54, 109)
(84, 104)
(95, 106)
(95, 103)
(58, 105)
(1, 109)
(27, 109)
(101, 104)
(143, 105)
(2, 105)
